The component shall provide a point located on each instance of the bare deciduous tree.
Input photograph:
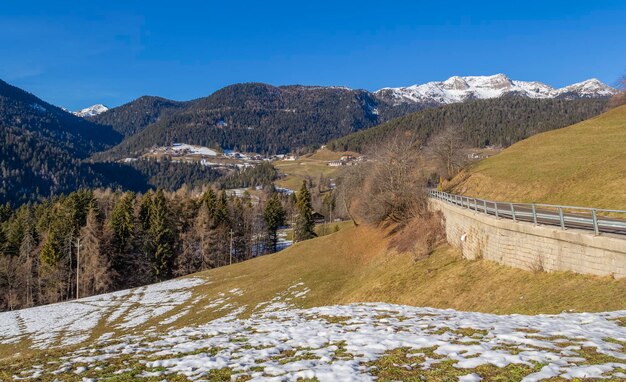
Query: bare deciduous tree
(395, 183)
(389, 187)
(349, 189)
(619, 99)
(447, 148)
(94, 267)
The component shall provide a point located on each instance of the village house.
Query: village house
(318, 218)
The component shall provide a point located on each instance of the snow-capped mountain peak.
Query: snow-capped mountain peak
(91, 111)
(459, 89)
(590, 88)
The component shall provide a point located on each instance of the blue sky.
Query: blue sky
(75, 54)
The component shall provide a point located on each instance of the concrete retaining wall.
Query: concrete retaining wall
(523, 245)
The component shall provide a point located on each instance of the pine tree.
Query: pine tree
(238, 229)
(144, 210)
(304, 228)
(210, 199)
(161, 238)
(274, 216)
(49, 253)
(122, 222)
(220, 215)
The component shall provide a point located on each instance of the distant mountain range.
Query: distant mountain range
(454, 89)
(91, 111)
(458, 89)
(251, 117)
(46, 150)
(268, 119)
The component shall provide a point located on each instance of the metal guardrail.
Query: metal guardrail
(592, 219)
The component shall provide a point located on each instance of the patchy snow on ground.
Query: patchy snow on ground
(283, 242)
(277, 341)
(70, 323)
(336, 342)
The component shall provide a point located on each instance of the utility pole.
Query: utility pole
(231, 246)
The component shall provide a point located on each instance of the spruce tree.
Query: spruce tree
(304, 228)
(49, 253)
(122, 222)
(220, 215)
(144, 210)
(161, 238)
(221, 225)
(274, 216)
(239, 231)
(210, 199)
(203, 235)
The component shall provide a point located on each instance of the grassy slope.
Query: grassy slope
(583, 164)
(311, 165)
(354, 265)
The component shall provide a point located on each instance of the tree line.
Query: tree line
(96, 241)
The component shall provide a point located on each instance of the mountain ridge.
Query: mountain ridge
(257, 117)
(277, 119)
(458, 89)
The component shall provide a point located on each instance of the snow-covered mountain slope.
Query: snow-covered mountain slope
(459, 89)
(91, 111)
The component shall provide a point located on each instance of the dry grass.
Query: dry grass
(355, 265)
(420, 236)
(583, 164)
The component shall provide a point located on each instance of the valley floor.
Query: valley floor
(313, 312)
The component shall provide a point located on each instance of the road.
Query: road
(543, 214)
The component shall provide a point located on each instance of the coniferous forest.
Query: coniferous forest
(499, 121)
(95, 241)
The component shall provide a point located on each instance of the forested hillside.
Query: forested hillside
(41, 147)
(134, 116)
(261, 118)
(502, 121)
(43, 150)
(25, 112)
